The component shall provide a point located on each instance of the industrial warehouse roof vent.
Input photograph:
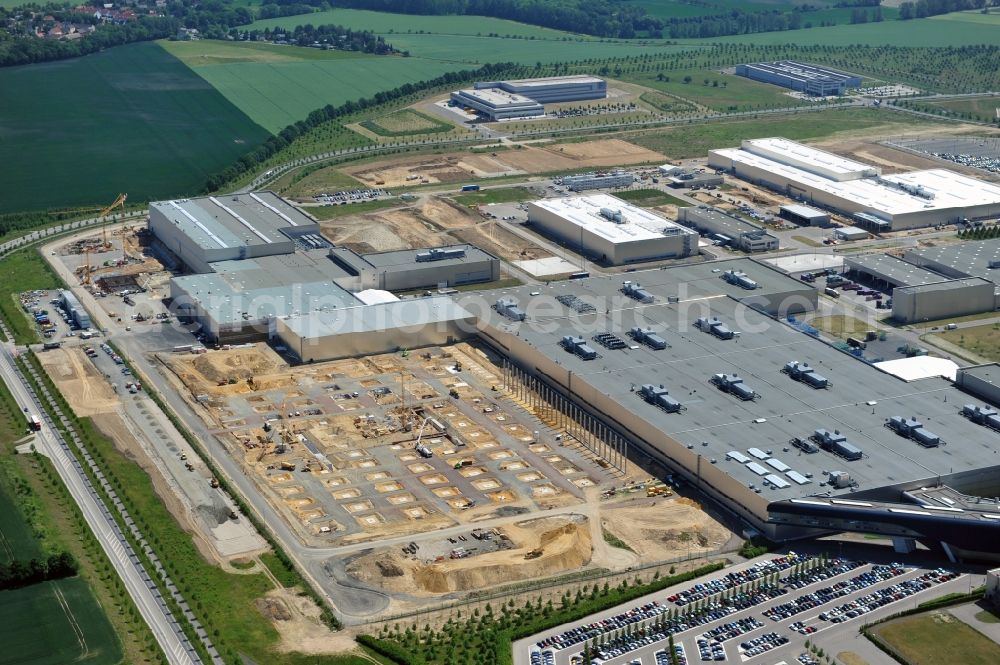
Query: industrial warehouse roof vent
(440, 254)
(648, 337)
(576, 304)
(740, 279)
(805, 374)
(633, 290)
(508, 307)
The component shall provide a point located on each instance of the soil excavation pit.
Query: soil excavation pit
(343, 495)
(289, 491)
(500, 454)
(515, 465)
(539, 448)
(370, 521)
(434, 479)
(357, 506)
(567, 469)
(419, 468)
(400, 499)
(366, 464)
(408, 457)
(280, 478)
(472, 472)
(584, 482)
(446, 492)
(539, 491)
(378, 475)
(486, 484)
(334, 482)
(391, 486)
(416, 512)
(529, 476)
(503, 496)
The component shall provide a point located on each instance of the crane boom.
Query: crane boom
(120, 201)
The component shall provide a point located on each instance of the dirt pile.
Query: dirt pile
(662, 530)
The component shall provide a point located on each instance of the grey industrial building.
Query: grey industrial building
(610, 230)
(256, 259)
(74, 309)
(524, 98)
(736, 446)
(604, 180)
(736, 232)
(686, 180)
(804, 215)
(877, 202)
(802, 77)
(400, 270)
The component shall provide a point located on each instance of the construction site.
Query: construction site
(396, 446)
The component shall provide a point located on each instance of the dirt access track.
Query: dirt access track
(79, 381)
(523, 159)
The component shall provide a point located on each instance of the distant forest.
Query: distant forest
(615, 18)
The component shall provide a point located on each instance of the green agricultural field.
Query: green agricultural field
(938, 637)
(667, 9)
(202, 52)
(277, 94)
(406, 122)
(390, 24)
(723, 92)
(16, 540)
(683, 142)
(130, 119)
(54, 623)
(984, 109)
(959, 29)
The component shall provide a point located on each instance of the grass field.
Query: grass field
(406, 122)
(840, 326)
(696, 140)
(202, 52)
(19, 272)
(978, 108)
(277, 93)
(650, 198)
(723, 92)
(130, 119)
(982, 340)
(929, 639)
(958, 29)
(16, 540)
(55, 623)
(498, 195)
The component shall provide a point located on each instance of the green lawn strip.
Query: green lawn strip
(436, 126)
(987, 616)
(982, 340)
(615, 541)
(283, 573)
(718, 91)
(327, 212)
(487, 636)
(650, 198)
(925, 640)
(495, 195)
(21, 271)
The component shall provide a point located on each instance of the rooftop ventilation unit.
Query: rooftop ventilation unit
(714, 326)
(734, 385)
(657, 396)
(438, 254)
(805, 445)
(836, 443)
(633, 290)
(578, 346)
(575, 304)
(740, 279)
(982, 415)
(648, 337)
(508, 307)
(912, 428)
(609, 341)
(805, 374)
(613, 215)
(840, 479)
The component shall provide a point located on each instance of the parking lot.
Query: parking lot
(761, 612)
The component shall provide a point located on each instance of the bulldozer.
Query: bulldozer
(534, 554)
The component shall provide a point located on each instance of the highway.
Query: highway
(137, 582)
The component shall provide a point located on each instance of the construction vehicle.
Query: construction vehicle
(213, 483)
(659, 490)
(533, 554)
(288, 466)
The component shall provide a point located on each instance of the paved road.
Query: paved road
(831, 637)
(140, 587)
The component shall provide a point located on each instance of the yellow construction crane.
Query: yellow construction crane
(87, 269)
(104, 212)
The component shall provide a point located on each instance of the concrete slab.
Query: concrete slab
(552, 265)
(806, 262)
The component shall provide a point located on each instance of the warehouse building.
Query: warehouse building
(693, 180)
(611, 230)
(735, 445)
(584, 181)
(877, 202)
(887, 271)
(943, 299)
(804, 215)
(849, 233)
(77, 314)
(400, 270)
(810, 79)
(733, 231)
(373, 329)
(239, 226)
(552, 89)
(969, 258)
(497, 104)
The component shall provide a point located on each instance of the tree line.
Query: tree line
(334, 36)
(17, 574)
(272, 146)
(925, 8)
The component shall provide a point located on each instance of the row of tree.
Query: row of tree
(285, 137)
(334, 36)
(27, 49)
(17, 574)
(925, 8)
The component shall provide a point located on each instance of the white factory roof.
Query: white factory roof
(498, 98)
(585, 212)
(809, 159)
(949, 189)
(412, 313)
(555, 80)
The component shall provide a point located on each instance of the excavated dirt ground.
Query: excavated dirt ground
(666, 529)
(79, 381)
(203, 373)
(565, 542)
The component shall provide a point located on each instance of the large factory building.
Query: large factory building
(790, 434)
(810, 79)
(611, 230)
(877, 202)
(524, 98)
